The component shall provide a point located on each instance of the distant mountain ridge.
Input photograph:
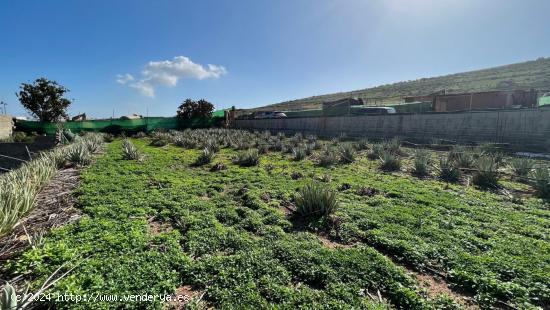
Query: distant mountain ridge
(525, 75)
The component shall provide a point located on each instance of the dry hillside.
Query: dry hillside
(525, 75)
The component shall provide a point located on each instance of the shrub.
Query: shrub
(130, 152)
(347, 153)
(522, 166)
(315, 200)
(389, 161)
(19, 136)
(541, 184)
(79, 155)
(299, 153)
(205, 157)
(421, 162)
(248, 158)
(327, 158)
(486, 175)
(447, 170)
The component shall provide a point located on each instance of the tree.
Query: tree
(204, 109)
(195, 109)
(44, 100)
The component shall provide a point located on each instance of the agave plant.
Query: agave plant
(141, 134)
(247, 158)
(328, 157)
(541, 176)
(392, 146)
(462, 157)
(522, 167)
(79, 155)
(309, 147)
(212, 145)
(376, 151)
(263, 148)
(315, 200)
(130, 152)
(298, 138)
(278, 146)
(421, 162)
(205, 157)
(299, 153)
(347, 153)
(486, 175)
(389, 161)
(108, 138)
(362, 144)
(20, 187)
(447, 170)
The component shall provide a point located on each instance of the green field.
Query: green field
(229, 236)
(526, 75)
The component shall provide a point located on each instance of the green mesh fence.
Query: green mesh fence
(117, 126)
(544, 100)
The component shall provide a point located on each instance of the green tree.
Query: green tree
(195, 109)
(44, 100)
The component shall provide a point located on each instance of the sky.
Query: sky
(139, 56)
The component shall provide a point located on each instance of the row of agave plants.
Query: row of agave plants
(484, 163)
(19, 188)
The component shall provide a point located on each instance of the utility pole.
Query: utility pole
(4, 104)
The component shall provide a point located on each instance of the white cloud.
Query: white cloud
(124, 78)
(168, 72)
(144, 88)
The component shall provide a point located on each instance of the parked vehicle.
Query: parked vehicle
(375, 110)
(269, 114)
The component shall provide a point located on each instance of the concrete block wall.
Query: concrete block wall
(6, 126)
(526, 128)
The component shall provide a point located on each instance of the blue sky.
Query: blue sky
(262, 51)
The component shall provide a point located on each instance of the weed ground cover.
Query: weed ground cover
(225, 232)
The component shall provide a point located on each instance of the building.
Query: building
(341, 106)
(424, 98)
(485, 100)
(6, 126)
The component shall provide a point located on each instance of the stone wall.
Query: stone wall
(527, 129)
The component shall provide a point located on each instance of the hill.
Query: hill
(524, 75)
